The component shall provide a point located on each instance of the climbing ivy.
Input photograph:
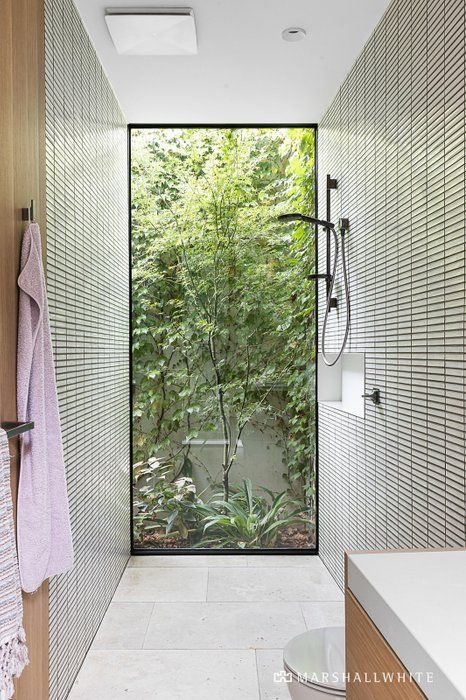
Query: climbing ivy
(223, 312)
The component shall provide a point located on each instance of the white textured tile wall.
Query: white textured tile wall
(87, 271)
(395, 139)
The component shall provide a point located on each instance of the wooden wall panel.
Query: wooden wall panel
(22, 178)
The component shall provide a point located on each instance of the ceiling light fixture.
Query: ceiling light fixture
(160, 31)
(293, 34)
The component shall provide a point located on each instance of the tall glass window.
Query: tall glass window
(223, 339)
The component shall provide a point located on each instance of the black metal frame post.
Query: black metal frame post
(332, 184)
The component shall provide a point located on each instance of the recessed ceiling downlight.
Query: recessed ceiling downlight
(161, 31)
(293, 34)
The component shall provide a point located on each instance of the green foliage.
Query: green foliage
(246, 520)
(223, 312)
(164, 501)
(300, 326)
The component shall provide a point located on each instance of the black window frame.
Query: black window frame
(147, 551)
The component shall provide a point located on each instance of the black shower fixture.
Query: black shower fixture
(329, 276)
(306, 219)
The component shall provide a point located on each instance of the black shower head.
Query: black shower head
(306, 219)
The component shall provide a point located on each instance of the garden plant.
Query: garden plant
(223, 331)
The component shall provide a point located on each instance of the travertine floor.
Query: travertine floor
(206, 627)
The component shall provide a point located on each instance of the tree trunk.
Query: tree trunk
(223, 418)
(226, 486)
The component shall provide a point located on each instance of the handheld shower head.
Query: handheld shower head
(330, 278)
(306, 219)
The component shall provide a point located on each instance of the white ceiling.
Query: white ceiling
(244, 71)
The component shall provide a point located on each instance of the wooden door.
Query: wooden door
(22, 178)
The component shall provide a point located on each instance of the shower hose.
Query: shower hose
(325, 358)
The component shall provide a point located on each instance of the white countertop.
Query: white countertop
(418, 602)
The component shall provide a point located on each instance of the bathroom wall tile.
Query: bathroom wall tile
(394, 138)
(87, 278)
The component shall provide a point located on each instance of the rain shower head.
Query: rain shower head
(306, 219)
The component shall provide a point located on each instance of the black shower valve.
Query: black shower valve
(374, 396)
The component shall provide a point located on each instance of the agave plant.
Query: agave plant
(247, 520)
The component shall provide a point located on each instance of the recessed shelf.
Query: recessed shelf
(341, 386)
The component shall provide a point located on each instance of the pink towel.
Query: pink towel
(43, 525)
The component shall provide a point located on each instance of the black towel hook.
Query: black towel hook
(29, 212)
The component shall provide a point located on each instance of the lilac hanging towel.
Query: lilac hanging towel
(13, 651)
(43, 525)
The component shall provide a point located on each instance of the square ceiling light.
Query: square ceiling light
(152, 31)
